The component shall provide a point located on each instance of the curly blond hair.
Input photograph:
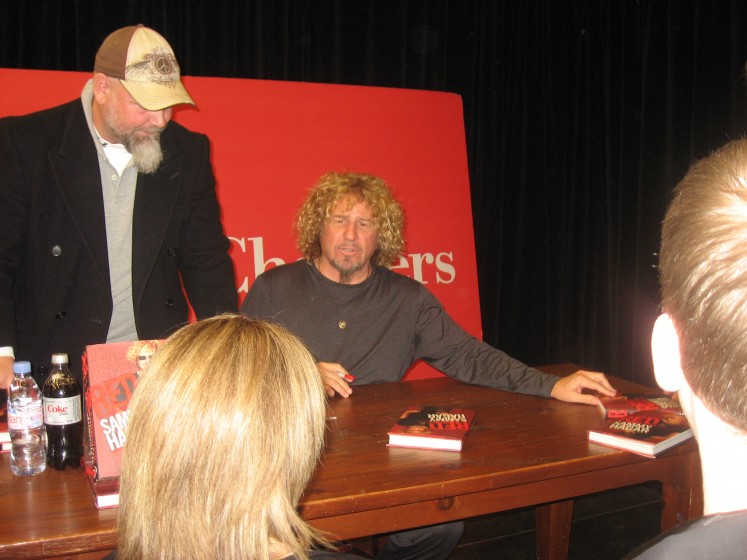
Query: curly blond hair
(357, 187)
(138, 346)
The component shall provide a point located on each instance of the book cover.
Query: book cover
(646, 433)
(110, 375)
(432, 427)
(624, 405)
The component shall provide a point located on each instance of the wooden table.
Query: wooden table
(522, 451)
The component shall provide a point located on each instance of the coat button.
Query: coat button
(169, 303)
(60, 315)
(171, 251)
(56, 251)
(342, 324)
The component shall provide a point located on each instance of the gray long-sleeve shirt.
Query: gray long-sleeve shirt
(377, 329)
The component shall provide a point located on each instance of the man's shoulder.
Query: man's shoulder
(33, 134)
(180, 133)
(389, 275)
(695, 539)
(284, 285)
(176, 139)
(331, 555)
(395, 280)
(45, 118)
(284, 272)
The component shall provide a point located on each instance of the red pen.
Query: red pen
(346, 376)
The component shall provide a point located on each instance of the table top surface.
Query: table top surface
(514, 439)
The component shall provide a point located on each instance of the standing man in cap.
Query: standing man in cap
(106, 210)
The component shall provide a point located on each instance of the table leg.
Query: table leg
(554, 530)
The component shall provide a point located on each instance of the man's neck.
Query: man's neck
(723, 452)
(100, 125)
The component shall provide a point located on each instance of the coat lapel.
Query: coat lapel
(155, 199)
(76, 169)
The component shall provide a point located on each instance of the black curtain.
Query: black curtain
(581, 117)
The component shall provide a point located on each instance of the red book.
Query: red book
(110, 375)
(5, 444)
(105, 491)
(624, 405)
(432, 427)
(646, 433)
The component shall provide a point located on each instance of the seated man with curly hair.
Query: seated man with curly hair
(366, 323)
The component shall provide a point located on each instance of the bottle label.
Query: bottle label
(60, 412)
(26, 417)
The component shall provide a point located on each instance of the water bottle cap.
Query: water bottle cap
(22, 367)
(59, 358)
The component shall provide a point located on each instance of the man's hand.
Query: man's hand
(336, 379)
(571, 387)
(6, 371)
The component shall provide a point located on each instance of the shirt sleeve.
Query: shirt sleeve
(447, 347)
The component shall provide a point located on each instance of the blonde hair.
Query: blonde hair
(703, 267)
(358, 187)
(224, 432)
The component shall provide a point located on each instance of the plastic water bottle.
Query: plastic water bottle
(26, 423)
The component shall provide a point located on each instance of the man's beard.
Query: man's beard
(145, 150)
(346, 272)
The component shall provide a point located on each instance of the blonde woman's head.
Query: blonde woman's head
(224, 432)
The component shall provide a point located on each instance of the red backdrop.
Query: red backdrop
(272, 140)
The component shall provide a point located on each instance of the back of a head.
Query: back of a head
(224, 433)
(703, 266)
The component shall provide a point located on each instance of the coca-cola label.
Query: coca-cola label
(60, 412)
(25, 417)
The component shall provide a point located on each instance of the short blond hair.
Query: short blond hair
(703, 267)
(358, 187)
(224, 432)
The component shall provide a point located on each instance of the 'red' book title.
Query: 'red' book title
(432, 427)
(648, 433)
(110, 375)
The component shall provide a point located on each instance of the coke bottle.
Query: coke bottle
(25, 422)
(63, 415)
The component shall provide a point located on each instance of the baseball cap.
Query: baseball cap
(145, 64)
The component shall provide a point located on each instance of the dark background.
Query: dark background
(581, 116)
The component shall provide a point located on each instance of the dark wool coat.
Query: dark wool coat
(55, 293)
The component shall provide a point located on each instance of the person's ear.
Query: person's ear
(101, 86)
(665, 351)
